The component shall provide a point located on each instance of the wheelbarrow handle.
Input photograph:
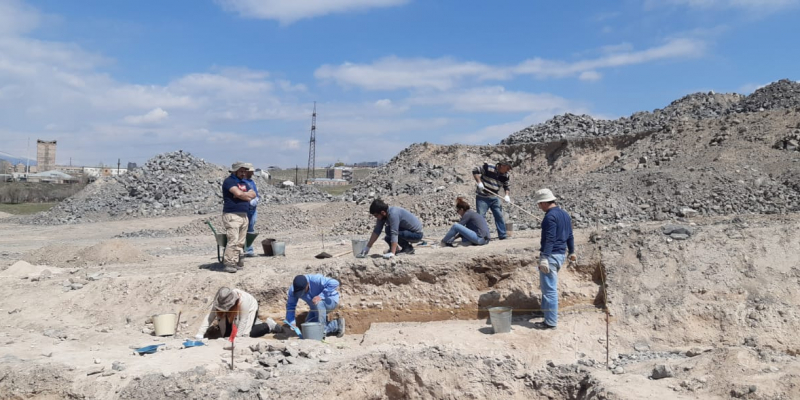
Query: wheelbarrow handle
(212, 227)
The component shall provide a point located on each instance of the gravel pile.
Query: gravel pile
(777, 95)
(570, 126)
(169, 184)
(781, 94)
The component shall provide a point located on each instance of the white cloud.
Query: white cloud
(674, 48)
(750, 88)
(495, 99)
(760, 5)
(290, 144)
(16, 17)
(392, 73)
(289, 11)
(154, 116)
(443, 74)
(590, 76)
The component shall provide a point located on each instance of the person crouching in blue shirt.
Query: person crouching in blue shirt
(556, 240)
(321, 295)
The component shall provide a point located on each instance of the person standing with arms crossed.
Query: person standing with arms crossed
(490, 179)
(236, 198)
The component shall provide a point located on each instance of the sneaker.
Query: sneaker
(340, 322)
(542, 325)
(250, 254)
(230, 268)
(406, 250)
(273, 326)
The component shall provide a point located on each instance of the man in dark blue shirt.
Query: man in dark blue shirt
(236, 196)
(556, 240)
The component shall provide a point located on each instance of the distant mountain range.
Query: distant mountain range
(14, 159)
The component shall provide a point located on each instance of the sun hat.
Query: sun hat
(237, 166)
(544, 196)
(299, 285)
(506, 163)
(249, 167)
(225, 299)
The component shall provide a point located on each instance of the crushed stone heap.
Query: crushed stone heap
(169, 184)
(698, 106)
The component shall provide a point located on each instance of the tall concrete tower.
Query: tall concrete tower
(45, 155)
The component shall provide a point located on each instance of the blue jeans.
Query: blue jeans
(483, 203)
(319, 313)
(403, 238)
(251, 227)
(467, 235)
(549, 285)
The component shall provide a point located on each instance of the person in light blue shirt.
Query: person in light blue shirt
(252, 212)
(322, 296)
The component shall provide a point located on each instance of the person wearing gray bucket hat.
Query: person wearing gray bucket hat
(236, 197)
(556, 240)
(234, 306)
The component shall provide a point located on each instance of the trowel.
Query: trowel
(295, 328)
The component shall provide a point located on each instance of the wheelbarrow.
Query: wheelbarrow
(222, 240)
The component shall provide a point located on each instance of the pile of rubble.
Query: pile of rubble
(169, 184)
(781, 94)
(698, 106)
(570, 126)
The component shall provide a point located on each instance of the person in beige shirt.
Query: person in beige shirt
(234, 306)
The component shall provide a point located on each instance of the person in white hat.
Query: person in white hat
(556, 240)
(236, 196)
(235, 307)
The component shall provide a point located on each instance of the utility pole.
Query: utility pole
(312, 144)
(296, 170)
(118, 162)
(28, 156)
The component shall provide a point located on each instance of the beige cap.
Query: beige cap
(237, 166)
(250, 167)
(544, 196)
(225, 299)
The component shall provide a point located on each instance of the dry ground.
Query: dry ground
(416, 325)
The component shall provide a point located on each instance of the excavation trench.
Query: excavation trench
(462, 290)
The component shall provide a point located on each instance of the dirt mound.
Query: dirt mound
(113, 251)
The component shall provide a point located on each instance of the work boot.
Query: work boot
(230, 268)
(240, 263)
(340, 322)
(273, 326)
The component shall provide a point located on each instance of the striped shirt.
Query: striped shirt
(492, 180)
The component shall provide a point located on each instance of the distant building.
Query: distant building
(340, 173)
(45, 154)
(131, 165)
(51, 177)
(367, 164)
(20, 168)
(326, 182)
(6, 167)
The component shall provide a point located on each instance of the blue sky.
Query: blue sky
(236, 79)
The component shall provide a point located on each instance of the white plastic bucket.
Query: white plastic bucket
(501, 319)
(164, 324)
(358, 246)
(278, 248)
(313, 331)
